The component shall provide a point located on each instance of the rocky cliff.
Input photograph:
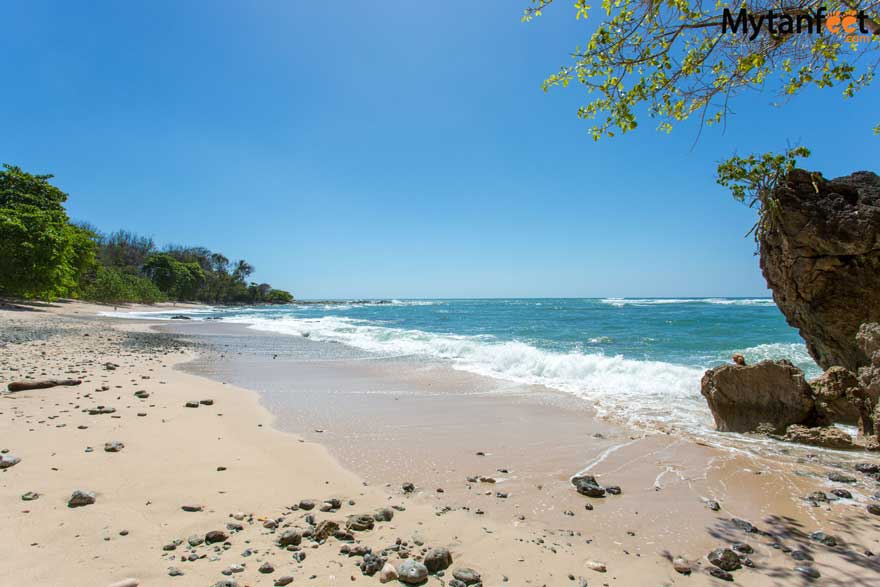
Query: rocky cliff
(821, 258)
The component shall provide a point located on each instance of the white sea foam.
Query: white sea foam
(620, 302)
(638, 391)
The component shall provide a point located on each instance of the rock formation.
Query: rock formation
(742, 398)
(821, 258)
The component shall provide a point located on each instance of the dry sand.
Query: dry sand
(540, 534)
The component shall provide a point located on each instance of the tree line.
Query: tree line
(43, 255)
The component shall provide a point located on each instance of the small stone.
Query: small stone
(206, 402)
(191, 405)
(412, 572)
(113, 446)
(801, 555)
(467, 575)
(325, 529)
(681, 566)
(742, 548)
(360, 523)
(289, 538)
(408, 487)
(307, 504)
(842, 493)
(824, 538)
(713, 505)
(744, 525)
(387, 574)
(587, 485)
(191, 508)
(720, 574)
(840, 478)
(7, 460)
(874, 509)
(282, 581)
(174, 572)
(371, 564)
(80, 498)
(596, 566)
(383, 515)
(216, 536)
(808, 572)
(266, 568)
(30, 496)
(613, 490)
(725, 559)
(195, 540)
(141, 394)
(437, 559)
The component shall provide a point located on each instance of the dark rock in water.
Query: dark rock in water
(824, 436)
(216, 536)
(180, 317)
(868, 468)
(808, 572)
(770, 394)
(840, 478)
(720, 574)
(824, 538)
(81, 498)
(438, 559)
(467, 575)
(725, 559)
(412, 572)
(821, 259)
(587, 485)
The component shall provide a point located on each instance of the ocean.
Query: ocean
(636, 360)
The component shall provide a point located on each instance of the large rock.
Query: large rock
(824, 436)
(742, 398)
(821, 258)
(868, 339)
(838, 396)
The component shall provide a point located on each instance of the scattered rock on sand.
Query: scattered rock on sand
(360, 523)
(681, 565)
(326, 529)
(808, 572)
(282, 581)
(840, 478)
(437, 559)
(30, 496)
(874, 509)
(383, 515)
(824, 436)
(408, 487)
(216, 536)
(266, 568)
(191, 405)
(371, 564)
(720, 574)
(289, 538)
(587, 485)
(81, 498)
(466, 575)
(725, 559)
(113, 446)
(191, 508)
(596, 566)
(387, 574)
(412, 572)
(7, 461)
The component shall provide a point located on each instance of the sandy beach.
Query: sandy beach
(282, 440)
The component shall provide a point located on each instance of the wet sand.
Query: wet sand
(383, 423)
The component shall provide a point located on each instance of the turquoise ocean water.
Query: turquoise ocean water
(636, 359)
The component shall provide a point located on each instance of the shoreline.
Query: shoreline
(545, 547)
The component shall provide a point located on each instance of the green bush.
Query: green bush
(113, 286)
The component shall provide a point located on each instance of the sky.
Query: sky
(388, 149)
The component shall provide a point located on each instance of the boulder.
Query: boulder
(838, 396)
(821, 259)
(742, 398)
(868, 339)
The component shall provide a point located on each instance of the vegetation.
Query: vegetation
(671, 60)
(43, 255)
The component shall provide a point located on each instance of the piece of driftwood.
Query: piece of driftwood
(45, 383)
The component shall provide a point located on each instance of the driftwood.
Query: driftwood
(46, 383)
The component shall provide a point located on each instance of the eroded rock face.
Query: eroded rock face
(868, 339)
(821, 258)
(825, 436)
(742, 398)
(838, 396)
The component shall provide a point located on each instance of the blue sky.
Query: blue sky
(387, 149)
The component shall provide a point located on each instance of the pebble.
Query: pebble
(437, 559)
(596, 566)
(174, 572)
(81, 498)
(191, 508)
(587, 485)
(720, 574)
(266, 568)
(681, 565)
(113, 446)
(466, 575)
(216, 536)
(874, 509)
(30, 496)
(724, 558)
(387, 574)
(191, 405)
(412, 572)
(808, 572)
(7, 460)
(282, 581)
(840, 478)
